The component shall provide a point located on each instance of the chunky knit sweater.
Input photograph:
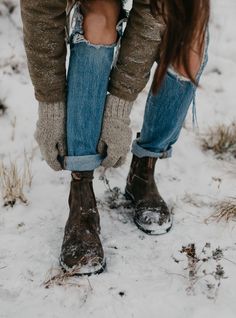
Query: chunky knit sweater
(44, 24)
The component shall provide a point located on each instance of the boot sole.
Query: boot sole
(156, 232)
(153, 232)
(82, 271)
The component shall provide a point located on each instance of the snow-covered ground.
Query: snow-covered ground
(145, 276)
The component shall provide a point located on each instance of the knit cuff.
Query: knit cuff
(118, 107)
(51, 110)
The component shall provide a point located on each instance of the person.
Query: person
(77, 112)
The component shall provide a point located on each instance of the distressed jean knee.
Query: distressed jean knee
(77, 34)
(85, 106)
(203, 63)
(180, 77)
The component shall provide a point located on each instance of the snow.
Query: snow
(142, 278)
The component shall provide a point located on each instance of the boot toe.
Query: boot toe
(153, 221)
(87, 264)
(83, 257)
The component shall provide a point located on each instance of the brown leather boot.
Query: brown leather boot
(82, 251)
(151, 214)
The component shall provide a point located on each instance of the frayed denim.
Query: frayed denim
(165, 113)
(87, 82)
(88, 76)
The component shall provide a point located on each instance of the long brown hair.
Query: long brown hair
(186, 22)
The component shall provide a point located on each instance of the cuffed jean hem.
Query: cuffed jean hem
(82, 163)
(141, 152)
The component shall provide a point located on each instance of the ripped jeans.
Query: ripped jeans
(165, 113)
(87, 81)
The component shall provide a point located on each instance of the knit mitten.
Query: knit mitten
(116, 134)
(50, 132)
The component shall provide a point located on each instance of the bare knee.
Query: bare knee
(195, 61)
(195, 64)
(100, 19)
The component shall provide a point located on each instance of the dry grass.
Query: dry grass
(225, 211)
(221, 140)
(204, 269)
(13, 182)
(60, 278)
(57, 277)
(27, 173)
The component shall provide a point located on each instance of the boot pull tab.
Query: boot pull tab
(82, 176)
(150, 163)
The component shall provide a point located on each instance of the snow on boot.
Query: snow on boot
(151, 214)
(82, 251)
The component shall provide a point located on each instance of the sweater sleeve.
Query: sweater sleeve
(44, 38)
(138, 52)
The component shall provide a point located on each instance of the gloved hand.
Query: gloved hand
(116, 134)
(50, 132)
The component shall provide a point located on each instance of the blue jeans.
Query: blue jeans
(165, 113)
(88, 76)
(87, 81)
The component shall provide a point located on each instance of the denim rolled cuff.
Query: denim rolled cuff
(81, 163)
(141, 152)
